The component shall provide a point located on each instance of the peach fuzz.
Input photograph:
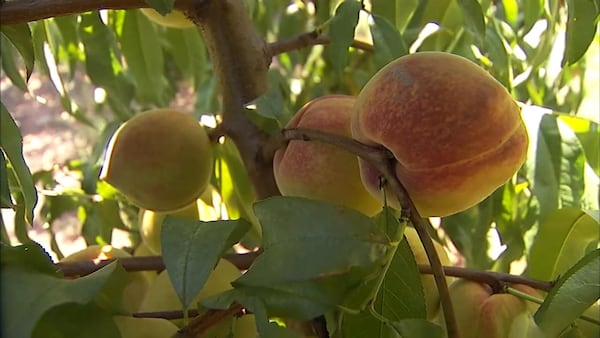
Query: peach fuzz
(322, 171)
(455, 131)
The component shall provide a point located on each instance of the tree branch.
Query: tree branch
(307, 40)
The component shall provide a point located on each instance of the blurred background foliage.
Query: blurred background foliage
(546, 53)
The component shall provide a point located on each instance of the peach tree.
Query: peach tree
(382, 168)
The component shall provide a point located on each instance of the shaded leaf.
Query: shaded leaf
(40, 291)
(76, 320)
(11, 143)
(387, 41)
(20, 36)
(473, 15)
(144, 57)
(581, 28)
(191, 250)
(9, 64)
(341, 32)
(164, 7)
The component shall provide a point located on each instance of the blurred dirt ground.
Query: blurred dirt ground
(51, 138)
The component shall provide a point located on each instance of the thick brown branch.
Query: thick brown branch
(307, 40)
(21, 11)
(241, 63)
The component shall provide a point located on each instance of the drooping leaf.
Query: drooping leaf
(102, 66)
(5, 198)
(474, 17)
(9, 64)
(144, 57)
(191, 250)
(581, 28)
(20, 36)
(11, 143)
(387, 41)
(574, 292)
(341, 33)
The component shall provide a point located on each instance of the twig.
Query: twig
(491, 278)
(144, 263)
(307, 40)
(209, 318)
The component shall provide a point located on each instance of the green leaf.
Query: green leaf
(11, 143)
(29, 256)
(561, 241)
(9, 65)
(588, 133)
(308, 267)
(581, 28)
(144, 57)
(100, 219)
(191, 250)
(20, 36)
(76, 320)
(40, 292)
(473, 15)
(187, 49)
(532, 11)
(297, 231)
(397, 12)
(387, 41)
(418, 328)
(575, 291)
(271, 103)
(341, 33)
(400, 297)
(164, 7)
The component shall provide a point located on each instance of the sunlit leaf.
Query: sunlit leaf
(575, 291)
(561, 240)
(387, 41)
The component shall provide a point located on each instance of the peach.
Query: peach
(322, 171)
(161, 160)
(150, 222)
(455, 131)
(480, 313)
